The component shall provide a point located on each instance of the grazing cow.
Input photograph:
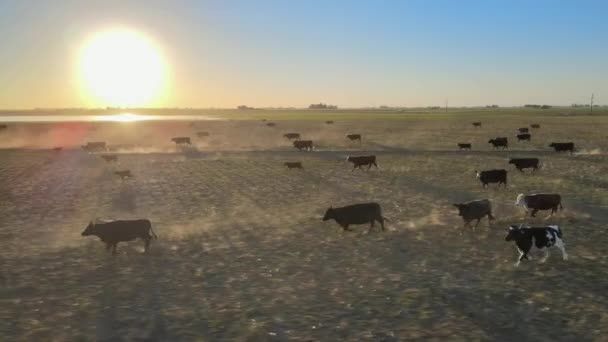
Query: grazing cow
(291, 136)
(3, 126)
(356, 214)
(499, 142)
(524, 136)
(96, 146)
(526, 238)
(464, 146)
(525, 163)
(523, 130)
(475, 210)
(58, 149)
(476, 124)
(492, 176)
(181, 140)
(353, 137)
(271, 124)
(562, 147)
(538, 202)
(293, 165)
(329, 122)
(113, 232)
(123, 174)
(303, 145)
(202, 134)
(360, 161)
(536, 126)
(110, 157)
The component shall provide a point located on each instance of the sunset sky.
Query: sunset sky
(293, 53)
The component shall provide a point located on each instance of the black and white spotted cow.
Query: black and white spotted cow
(541, 238)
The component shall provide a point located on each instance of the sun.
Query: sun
(121, 68)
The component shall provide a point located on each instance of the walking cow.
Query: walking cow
(113, 232)
(538, 202)
(475, 210)
(356, 214)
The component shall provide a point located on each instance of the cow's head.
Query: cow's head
(347, 158)
(521, 201)
(491, 141)
(329, 214)
(460, 207)
(552, 145)
(514, 232)
(89, 230)
(477, 174)
(511, 161)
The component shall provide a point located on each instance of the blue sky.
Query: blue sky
(350, 53)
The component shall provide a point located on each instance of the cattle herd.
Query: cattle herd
(525, 237)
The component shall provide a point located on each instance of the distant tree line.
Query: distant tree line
(433, 107)
(322, 106)
(243, 107)
(577, 105)
(538, 106)
(492, 106)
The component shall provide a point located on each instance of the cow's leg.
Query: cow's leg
(114, 248)
(533, 214)
(477, 224)
(345, 227)
(559, 243)
(521, 257)
(108, 246)
(381, 219)
(376, 165)
(147, 242)
(545, 256)
(371, 225)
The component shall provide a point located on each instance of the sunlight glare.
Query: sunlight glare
(121, 68)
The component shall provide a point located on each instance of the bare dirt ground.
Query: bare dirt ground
(243, 254)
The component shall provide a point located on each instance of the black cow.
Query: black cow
(293, 165)
(181, 140)
(113, 232)
(492, 176)
(360, 161)
(523, 130)
(303, 145)
(356, 214)
(202, 134)
(525, 163)
(123, 174)
(536, 126)
(329, 122)
(527, 238)
(110, 157)
(475, 210)
(3, 126)
(524, 136)
(499, 142)
(291, 136)
(271, 124)
(562, 147)
(476, 124)
(58, 149)
(464, 146)
(96, 146)
(353, 137)
(538, 202)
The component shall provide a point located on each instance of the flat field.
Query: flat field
(243, 254)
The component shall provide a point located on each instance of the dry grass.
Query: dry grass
(243, 255)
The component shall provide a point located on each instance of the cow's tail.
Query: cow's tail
(561, 207)
(491, 217)
(152, 232)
